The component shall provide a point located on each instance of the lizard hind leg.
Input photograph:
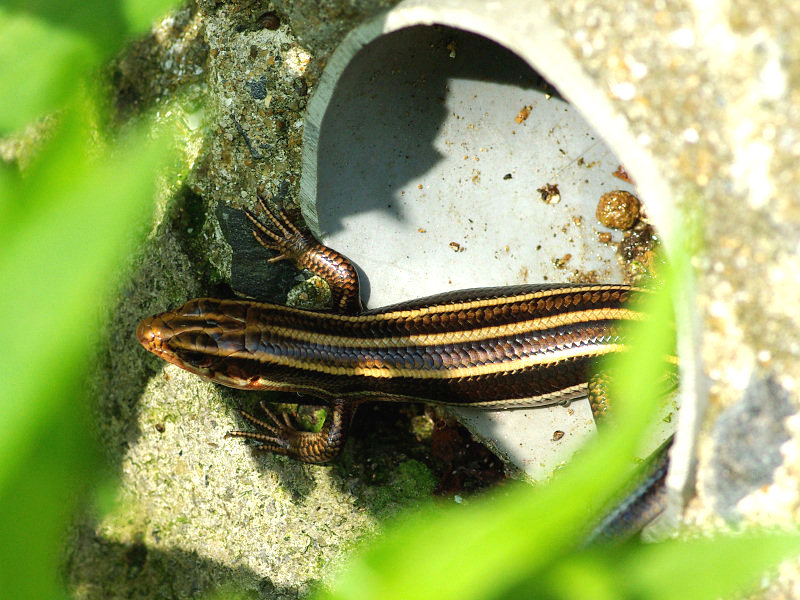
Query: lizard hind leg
(281, 437)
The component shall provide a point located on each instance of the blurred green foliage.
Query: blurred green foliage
(66, 221)
(48, 47)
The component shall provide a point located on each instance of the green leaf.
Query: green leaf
(65, 224)
(705, 568)
(40, 64)
(64, 227)
(140, 14)
(48, 47)
(696, 569)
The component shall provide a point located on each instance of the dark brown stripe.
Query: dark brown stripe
(436, 314)
(523, 387)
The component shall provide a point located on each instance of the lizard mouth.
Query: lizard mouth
(149, 334)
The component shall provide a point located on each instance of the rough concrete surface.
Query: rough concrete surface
(710, 89)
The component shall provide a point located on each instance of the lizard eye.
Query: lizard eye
(195, 359)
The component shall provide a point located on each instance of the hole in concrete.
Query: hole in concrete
(425, 166)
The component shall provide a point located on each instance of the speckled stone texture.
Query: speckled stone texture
(712, 89)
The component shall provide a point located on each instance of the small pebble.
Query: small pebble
(618, 209)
